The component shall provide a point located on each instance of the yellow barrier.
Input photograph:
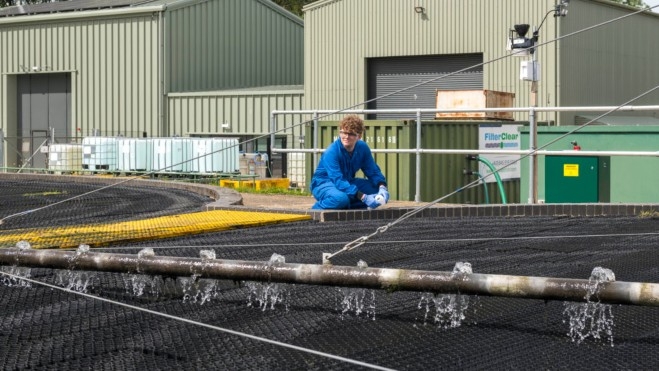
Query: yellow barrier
(258, 184)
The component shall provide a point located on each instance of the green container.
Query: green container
(441, 174)
(633, 178)
(397, 168)
(577, 179)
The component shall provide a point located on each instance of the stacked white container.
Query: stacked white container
(99, 153)
(65, 158)
(214, 155)
(296, 169)
(134, 154)
(171, 154)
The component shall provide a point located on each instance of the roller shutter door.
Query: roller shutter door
(402, 82)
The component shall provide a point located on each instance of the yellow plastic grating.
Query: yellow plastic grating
(146, 229)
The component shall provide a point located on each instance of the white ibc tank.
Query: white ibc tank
(65, 157)
(134, 154)
(214, 155)
(99, 153)
(171, 155)
(296, 169)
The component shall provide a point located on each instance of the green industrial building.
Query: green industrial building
(356, 51)
(144, 68)
(390, 54)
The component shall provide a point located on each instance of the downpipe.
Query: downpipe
(526, 287)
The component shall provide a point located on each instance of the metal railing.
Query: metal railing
(532, 152)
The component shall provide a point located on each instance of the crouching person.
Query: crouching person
(334, 185)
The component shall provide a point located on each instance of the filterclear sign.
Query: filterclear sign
(499, 137)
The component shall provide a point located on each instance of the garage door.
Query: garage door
(44, 102)
(411, 82)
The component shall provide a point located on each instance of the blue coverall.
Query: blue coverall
(334, 184)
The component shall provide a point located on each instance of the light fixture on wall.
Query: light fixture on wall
(419, 10)
(226, 126)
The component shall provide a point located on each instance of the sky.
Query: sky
(652, 3)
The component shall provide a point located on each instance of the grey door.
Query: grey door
(419, 77)
(44, 103)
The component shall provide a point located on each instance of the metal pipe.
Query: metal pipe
(491, 151)
(480, 109)
(546, 288)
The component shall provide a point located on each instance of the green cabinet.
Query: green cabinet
(577, 179)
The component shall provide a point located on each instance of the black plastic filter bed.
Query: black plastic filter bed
(44, 328)
(86, 204)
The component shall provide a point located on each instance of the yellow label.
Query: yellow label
(570, 169)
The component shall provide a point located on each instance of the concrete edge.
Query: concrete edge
(465, 211)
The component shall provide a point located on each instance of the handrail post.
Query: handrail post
(533, 159)
(417, 190)
(273, 129)
(315, 140)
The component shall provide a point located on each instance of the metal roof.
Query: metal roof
(67, 6)
(87, 5)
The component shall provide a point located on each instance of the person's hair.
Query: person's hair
(352, 124)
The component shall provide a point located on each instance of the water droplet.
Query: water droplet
(461, 268)
(591, 319)
(357, 301)
(198, 290)
(276, 258)
(266, 295)
(15, 280)
(75, 280)
(362, 264)
(144, 253)
(23, 245)
(82, 249)
(449, 309)
(207, 254)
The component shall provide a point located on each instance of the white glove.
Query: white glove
(383, 195)
(370, 201)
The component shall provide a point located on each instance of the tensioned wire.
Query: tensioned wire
(352, 107)
(361, 240)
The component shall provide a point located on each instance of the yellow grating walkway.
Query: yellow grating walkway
(146, 229)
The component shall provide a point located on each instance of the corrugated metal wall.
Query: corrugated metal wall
(608, 65)
(245, 112)
(123, 62)
(340, 35)
(113, 62)
(229, 44)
